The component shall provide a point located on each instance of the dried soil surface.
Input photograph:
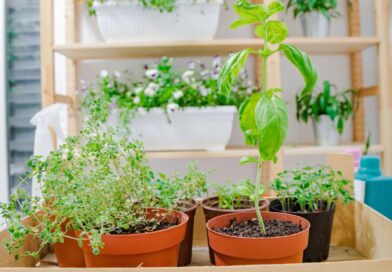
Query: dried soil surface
(250, 228)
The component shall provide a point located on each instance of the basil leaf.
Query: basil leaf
(249, 13)
(247, 119)
(275, 7)
(276, 31)
(304, 64)
(271, 119)
(245, 160)
(230, 70)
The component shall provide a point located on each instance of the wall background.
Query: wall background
(331, 67)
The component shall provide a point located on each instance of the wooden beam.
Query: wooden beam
(385, 84)
(64, 99)
(357, 72)
(369, 91)
(47, 54)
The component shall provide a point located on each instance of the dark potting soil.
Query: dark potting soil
(250, 228)
(148, 226)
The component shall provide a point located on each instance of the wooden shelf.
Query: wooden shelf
(238, 152)
(332, 45)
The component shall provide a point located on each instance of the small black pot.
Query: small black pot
(320, 231)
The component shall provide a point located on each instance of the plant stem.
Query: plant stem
(265, 61)
(257, 198)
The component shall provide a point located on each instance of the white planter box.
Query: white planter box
(326, 131)
(190, 129)
(125, 20)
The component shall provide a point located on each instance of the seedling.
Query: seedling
(264, 116)
(312, 188)
(232, 196)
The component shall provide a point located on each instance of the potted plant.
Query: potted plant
(141, 20)
(328, 112)
(237, 238)
(315, 15)
(99, 186)
(179, 192)
(231, 198)
(312, 192)
(171, 110)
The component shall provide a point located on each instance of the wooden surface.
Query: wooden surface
(332, 45)
(238, 152)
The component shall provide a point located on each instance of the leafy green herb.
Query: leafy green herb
(326, 7)
(312, 188)
(338, 107)
(264, 116)
(233, 196)
(368, 143)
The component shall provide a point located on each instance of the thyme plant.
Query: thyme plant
(312, 188)
(264, 116)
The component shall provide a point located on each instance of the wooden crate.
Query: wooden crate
(361, 241)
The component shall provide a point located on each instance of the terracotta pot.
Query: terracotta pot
(231, 250)
(189, 208)
(211, 210)
(320, 232)
(69, 254)
(152, 249)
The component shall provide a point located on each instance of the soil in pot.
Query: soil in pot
(211, 209)
(279, 248)
(320, 232)
(157, 248)
(69, 254)
(189, 208)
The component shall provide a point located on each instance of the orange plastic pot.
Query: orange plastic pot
(231, 250)
(152, 249)
(211, 209)
(189, 208)
(69, 254)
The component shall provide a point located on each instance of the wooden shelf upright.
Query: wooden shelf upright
(352, 45)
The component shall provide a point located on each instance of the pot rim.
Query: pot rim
(182, 215)
(257, 239)
(193, 202)
(310, 213)
(203, 204)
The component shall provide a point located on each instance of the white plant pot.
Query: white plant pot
(314, 24)
(326, 131)
(126, 20)
(189, 129)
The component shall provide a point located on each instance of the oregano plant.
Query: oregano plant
(264, 116)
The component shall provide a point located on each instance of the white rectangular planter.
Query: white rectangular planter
(126, 20)
(189, 129)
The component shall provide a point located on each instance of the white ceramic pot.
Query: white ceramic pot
(189, 129)
(127, 20)
(315, 24)
(326, 131)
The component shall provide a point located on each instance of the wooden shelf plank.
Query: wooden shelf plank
(332, 45)
(238, 152)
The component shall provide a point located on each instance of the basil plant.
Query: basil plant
(264, 115)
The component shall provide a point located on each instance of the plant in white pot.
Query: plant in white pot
(328, 112)
(315, 15)
(142, 20)
(170, 110)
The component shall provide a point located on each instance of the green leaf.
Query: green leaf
(247, 118)
(249, 13)
(230, 70)
(276, 31)
(305, 65)
(245, 160)
(271, 119)
(275, 7)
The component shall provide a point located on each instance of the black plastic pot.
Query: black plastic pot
(320, 231)
(185, 256)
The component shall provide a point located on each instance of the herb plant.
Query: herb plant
(165, 88)
(326, 7)
(312, 188)
(232, 196)
(264, 117)
(95, 182)
(338, 107)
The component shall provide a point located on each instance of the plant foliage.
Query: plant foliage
(263, 116)
(338, 107)
(311, 188)
(326, 7)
